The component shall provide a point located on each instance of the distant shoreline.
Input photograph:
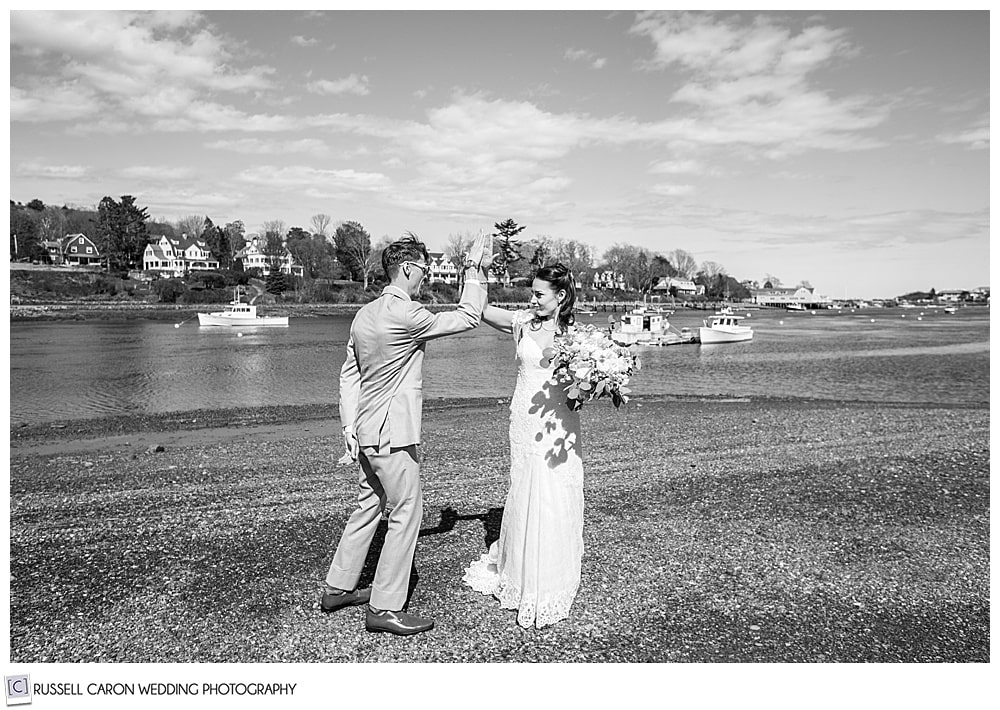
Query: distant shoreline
(89, 310)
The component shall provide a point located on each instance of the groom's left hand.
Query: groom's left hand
(351, 444)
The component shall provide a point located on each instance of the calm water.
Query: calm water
(79, 370)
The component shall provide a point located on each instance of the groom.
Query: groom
(380, 410)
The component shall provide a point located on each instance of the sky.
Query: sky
(846, 149)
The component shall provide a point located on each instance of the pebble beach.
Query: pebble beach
(716, 530)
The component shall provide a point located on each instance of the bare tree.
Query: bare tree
(52, 224)
(711, 269)
(574, 255)
(629, 262)
(354, 249)
(320, 223)
(774, 281)
(274, 243)
(457, 247)
(683, 262)
(192, 225)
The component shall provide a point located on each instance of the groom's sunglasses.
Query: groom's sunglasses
(422, 267)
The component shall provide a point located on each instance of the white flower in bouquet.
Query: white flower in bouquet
(592, 366)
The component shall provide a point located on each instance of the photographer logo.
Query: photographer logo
(18, 690)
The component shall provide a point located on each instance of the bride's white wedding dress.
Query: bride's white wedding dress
(535, 565)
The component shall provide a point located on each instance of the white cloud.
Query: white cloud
(157, 172)
(352, 84)
(192, 200)
(75, 65)
(765, 230)
(324, 180)
(676, 167)
(750, 82)
(671, 190)
(37, 169)
(215, 117)
(976, 137)
(304, 41)
(257, 146)
(49, 101)
(583, 55)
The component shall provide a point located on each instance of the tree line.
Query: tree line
(121, 229)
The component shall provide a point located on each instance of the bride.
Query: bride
(535, 565)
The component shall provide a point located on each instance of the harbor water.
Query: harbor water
(87, 369)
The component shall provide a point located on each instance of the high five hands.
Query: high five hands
(480, 254)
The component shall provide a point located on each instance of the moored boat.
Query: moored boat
(239, 314)
(646, 326)
(724, 328)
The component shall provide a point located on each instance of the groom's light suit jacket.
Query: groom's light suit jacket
(381, 382)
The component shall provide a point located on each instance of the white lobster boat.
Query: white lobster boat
(239, 314)
(724, 327)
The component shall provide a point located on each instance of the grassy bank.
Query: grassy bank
(715, 530)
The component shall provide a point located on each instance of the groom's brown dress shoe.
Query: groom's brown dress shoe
(396, 622)
(332, 602)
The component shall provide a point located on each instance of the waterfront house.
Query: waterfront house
(178, 255)
(54, 249)
(609, 279)
(683, 286)
(781, 297)
(252, 257)
(79, 250)
(950, 296)
(442, 270)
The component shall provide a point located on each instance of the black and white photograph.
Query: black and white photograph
(598, 341)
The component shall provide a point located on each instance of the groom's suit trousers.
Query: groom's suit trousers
(389, 478)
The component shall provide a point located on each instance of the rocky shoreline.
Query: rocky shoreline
(716, 529)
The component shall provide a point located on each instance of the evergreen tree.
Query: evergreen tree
(510, 248)
(276, 283)
(122, 232)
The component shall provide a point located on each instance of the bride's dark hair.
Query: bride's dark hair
(561, 279)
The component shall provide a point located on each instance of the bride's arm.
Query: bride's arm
(499, 318)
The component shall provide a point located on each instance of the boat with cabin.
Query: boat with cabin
(649, 326)
(724, 327)
(240, 314)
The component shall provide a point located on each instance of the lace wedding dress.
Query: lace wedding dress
(535, 565)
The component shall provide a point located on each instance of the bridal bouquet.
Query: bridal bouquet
(592, 366)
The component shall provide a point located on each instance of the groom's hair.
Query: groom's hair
(407, 248)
